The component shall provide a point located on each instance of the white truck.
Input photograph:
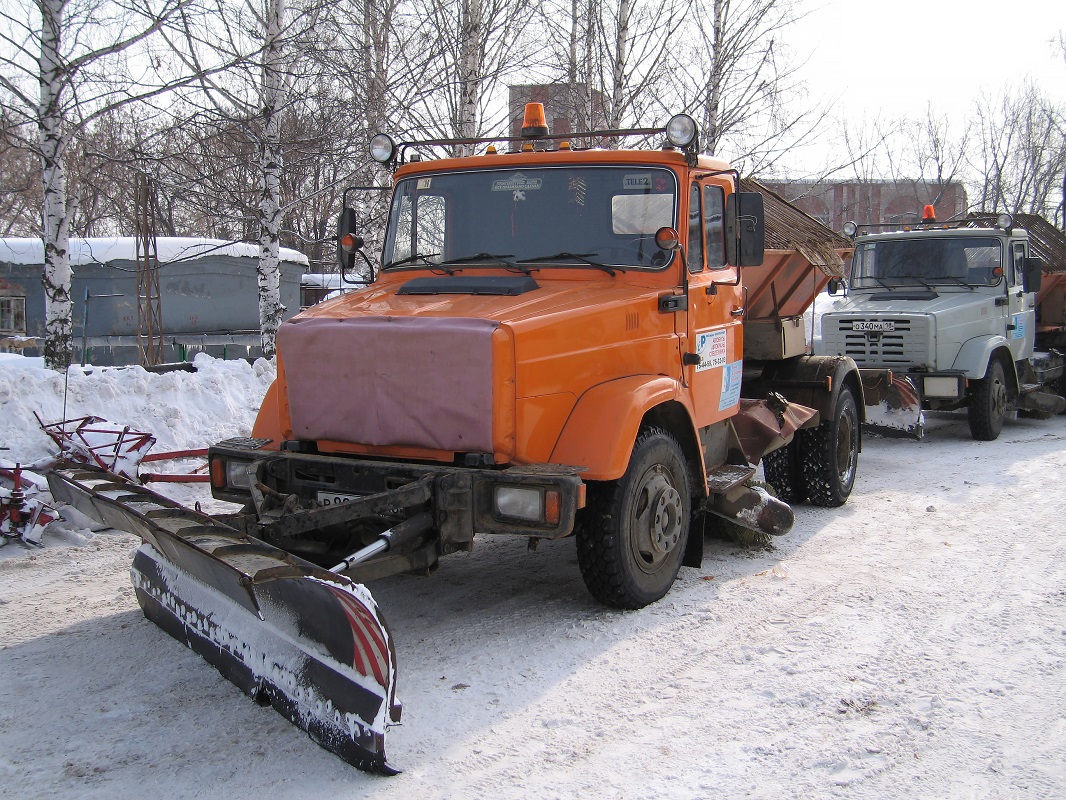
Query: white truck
(958, 308)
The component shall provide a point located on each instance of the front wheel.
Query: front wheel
(988, 404)
(831, 453)
(633, 533)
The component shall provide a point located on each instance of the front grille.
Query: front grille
(909, 345)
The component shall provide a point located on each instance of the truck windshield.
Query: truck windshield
(957, 260)
(606, 215)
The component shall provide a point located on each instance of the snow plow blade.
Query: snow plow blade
(893, 405)
(289, 634)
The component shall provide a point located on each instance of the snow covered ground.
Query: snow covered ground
(911, 644)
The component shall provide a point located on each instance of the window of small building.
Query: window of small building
(13, 315)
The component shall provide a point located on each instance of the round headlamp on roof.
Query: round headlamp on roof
(681, 131)
(1005, 221)
(382, 148)
(850, 229)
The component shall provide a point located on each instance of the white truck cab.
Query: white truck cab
(952, 306)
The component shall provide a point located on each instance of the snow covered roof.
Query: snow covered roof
(170, 249)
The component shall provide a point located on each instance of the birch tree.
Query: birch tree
(741, 83)
(65, 64)
(269, 40)
(613, 56)
(1022, 157)
(474, 52)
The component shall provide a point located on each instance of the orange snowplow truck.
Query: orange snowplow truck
(558, 342)
(552, 346)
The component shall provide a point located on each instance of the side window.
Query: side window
(1016, 269)
(695, 231)
(714, 224)
(13, 315)
(401, 248)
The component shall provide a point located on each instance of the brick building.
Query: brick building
(899, 202)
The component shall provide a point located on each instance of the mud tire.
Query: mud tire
(830, 454)
(988, 404)
(783, 469)
(631, 537)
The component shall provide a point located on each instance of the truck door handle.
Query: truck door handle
(1001, 301)
(737, 312)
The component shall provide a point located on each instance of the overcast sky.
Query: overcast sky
(889, 59)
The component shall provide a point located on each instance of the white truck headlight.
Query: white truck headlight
(681, 131)
(940, 387)
(519, 502)
(382, 148)
(237, 474)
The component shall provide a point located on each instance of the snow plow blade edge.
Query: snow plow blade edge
(289, 634)
(893, 405)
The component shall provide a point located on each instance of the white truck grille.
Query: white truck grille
(911, 344)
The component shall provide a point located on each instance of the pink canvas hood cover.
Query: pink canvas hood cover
(391, 380)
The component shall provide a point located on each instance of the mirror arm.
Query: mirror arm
(360, 281)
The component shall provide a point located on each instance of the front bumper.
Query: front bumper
(286, 490)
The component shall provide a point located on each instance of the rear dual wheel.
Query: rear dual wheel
(819, 464)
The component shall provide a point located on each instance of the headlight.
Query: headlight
(1005, 221)
(237, 474)
(382, 148)
(850, 229)
(681, 131)
(519, 502)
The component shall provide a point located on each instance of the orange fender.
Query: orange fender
(268, 422)
(601, 430)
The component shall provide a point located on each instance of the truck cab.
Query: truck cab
(953, 307)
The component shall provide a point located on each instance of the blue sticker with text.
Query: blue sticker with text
(731, 374)
(1018, 323)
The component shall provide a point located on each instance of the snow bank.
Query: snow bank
(181, 409)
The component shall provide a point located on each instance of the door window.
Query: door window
(1016, 266)
(695, 231)
(714, 225)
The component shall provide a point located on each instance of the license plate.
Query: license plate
(881, 325)
(335, 498)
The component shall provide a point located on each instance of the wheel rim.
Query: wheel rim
(657, 522)
(998, 398)
(846, 449)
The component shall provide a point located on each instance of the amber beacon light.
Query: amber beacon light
(534, 124)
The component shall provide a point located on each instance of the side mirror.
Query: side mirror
(348, 243)
(835, 285)
(745, 229)
(1032, 273)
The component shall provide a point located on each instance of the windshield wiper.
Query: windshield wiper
(914, 278)
(957, 280)
(411, 259)
(501, 259)
(875, 278)
(579, 257)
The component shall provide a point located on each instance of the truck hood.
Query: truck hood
(881, 303)
(402, 368)
(478, 299)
